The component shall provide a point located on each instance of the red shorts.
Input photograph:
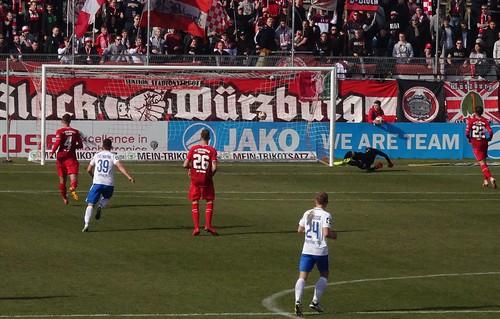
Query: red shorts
(480, 151)
(197, 192)
(67, 167)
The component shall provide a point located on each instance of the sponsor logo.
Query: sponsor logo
(494, 145)
(420, 105)
(191, 135)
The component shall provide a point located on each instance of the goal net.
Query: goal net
(157, 112)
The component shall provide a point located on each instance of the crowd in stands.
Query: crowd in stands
(466, 32)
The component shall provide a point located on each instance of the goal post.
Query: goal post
(155, 112)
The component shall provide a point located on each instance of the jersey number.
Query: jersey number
(67, 143)
(312, 228)
(201, 162)
(102, 166)
(478, 131)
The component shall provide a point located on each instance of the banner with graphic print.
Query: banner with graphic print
(421, 102)
(361, 5)
(463, 96)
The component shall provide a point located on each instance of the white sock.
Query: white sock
(299, 289)
(104, 202)
(88, 214)
(319, 289)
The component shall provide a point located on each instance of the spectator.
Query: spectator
(394, 26)
(247, 8)
(337, 41)
(324, 47)
(173, 41)
(467, 37)
(412, 7)
(135, 31)
(116, 51)
(357, 46)
(229, 44)
(300, 14)
(458, 55)
(16, 52)
(157, 46)
(53, 41)
(88, 53)
(26, 37)
(447, 37)
(4, 47)
(265, 42)
(219, 53)
(64, 52)
(490, 36)
(126, 41)
(382, 43)
(194, 47)
(132, 10)
(496, 56)
(376, 114)
(456, 11)
(477, 61)
(415, 37)
(49, 21)
(306, 43)
(423, 20)
(428, 55)
(403, 13)
(402, 50)
(244, 47)
(370, 28)
(284, 36)
(138, 52)
(34, 53)
(8, 29)
(484, 20)
(103, 40)
(354, 22)
(113, 19)
(34, 19)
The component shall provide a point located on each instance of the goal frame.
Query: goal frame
(333, 92)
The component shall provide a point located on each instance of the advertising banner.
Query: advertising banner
(462, 97)
(421, 102)
(361, 5)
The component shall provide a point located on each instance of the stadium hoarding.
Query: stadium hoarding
(169, 141)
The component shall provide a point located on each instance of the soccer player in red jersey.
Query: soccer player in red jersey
(202, 164)
(68, 140)
(476, 129)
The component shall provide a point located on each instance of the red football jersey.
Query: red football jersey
(201, 158)
(477, 128)
(68, 140)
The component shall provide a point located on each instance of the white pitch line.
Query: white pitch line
(270, 302)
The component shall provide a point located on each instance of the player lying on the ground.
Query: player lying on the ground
(364, 160)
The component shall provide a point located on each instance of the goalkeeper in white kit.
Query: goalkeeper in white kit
(101, 168)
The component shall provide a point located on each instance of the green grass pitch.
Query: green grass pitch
(415, 242)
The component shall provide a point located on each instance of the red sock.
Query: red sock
(196, 215)
(486, 171)
(208, 214)
(74, 183)
(62, 189)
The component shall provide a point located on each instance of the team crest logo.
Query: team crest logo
(494, 145)
(191, 135)
(420, 105)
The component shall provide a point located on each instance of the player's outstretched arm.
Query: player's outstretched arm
(124, 172)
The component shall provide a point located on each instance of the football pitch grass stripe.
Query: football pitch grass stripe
(269, 302)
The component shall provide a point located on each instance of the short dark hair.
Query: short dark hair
(205, 134)
(377, 102)
(66, 118)
(479, 110)
(107, 144)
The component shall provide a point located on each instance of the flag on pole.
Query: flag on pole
(427, 7)
(185, 15)
(217, 18)
(87, 16)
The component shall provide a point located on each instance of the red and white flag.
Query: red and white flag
(87, 16)
(186, 15)
(427, 7)
(217, 18)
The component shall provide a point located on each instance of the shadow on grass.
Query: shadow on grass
(36, 297)
(113, 206)
(434, 309)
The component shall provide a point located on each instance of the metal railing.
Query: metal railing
(347, 67)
